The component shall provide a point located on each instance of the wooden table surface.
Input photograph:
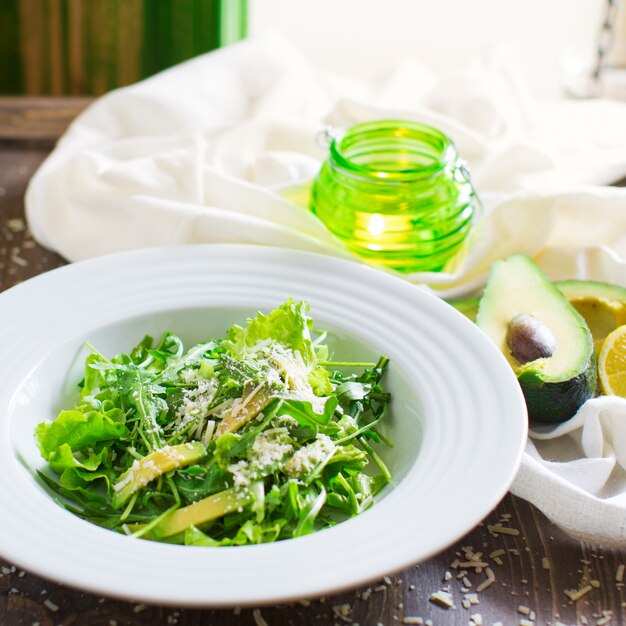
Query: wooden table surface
(533, 562)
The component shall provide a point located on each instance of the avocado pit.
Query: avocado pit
(529, 339)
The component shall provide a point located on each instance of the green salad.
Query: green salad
(252, 438)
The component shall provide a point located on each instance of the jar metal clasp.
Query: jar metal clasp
(463, 169)
(327, 135)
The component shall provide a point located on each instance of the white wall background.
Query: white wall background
(549, 38)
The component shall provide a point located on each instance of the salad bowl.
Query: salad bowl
(457, 419)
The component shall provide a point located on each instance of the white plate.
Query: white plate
(458, 418)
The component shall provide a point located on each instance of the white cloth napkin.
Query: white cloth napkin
(222, 148)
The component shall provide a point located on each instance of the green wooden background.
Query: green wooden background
(87, 47)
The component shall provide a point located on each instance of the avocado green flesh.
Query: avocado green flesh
(154, 465)
(201, 512)
(555, 386)
(237, 418)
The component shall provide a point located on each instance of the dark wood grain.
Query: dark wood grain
(37, 119)
(522, 579)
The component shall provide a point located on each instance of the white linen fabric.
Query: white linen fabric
(222, 148)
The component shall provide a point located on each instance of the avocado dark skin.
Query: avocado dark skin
(550, 403)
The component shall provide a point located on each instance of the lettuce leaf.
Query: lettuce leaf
(80, 429)
(288, 325)
(68, 446)
(319, 380)
(63, 458)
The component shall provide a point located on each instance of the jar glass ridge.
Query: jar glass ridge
(397, 194)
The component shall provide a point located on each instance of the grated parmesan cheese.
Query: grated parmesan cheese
(208, 432)
(491, 578)
(259, 620)
(472, 598)
(196, 400)
(343, 612)
(51, 605)
(498, 529)
(269, 447)
(442, 599)
(132, 470)
(576, 594)
(241, 473)
(307, 457)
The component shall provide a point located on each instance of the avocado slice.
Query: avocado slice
(152, 466)
(201, 512)
(242, 411)
(545, 340)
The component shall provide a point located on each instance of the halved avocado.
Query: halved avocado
(543, 337)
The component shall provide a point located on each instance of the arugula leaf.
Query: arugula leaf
(352, 390)
(193, 358)
(305, 414)
(95, 378)
(138, 389)
(82, 502)
(310, 511)
(141, 351)
(240, 371)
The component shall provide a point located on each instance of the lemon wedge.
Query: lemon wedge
(612, 363)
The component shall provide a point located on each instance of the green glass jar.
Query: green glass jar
(397, 194)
